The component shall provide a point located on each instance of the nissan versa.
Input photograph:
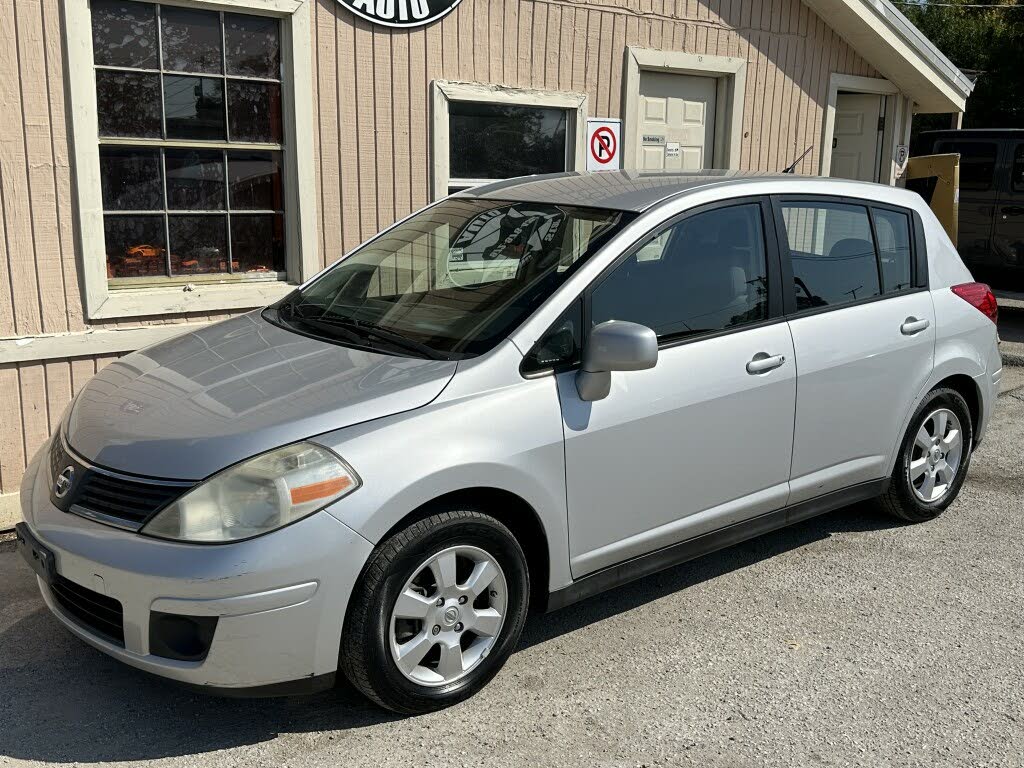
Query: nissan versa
(519, 396)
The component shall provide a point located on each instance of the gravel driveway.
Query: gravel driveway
(846, 640)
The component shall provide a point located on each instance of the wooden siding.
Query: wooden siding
(372, 96)
(372, 83)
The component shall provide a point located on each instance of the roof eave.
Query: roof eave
(899, 51)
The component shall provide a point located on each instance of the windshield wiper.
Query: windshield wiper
(374, 332)
(331, 329)
(356, 331)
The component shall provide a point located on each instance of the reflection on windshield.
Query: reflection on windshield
(451, 281)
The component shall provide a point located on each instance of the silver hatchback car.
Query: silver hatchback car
(519, 396)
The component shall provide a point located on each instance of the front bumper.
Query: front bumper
(280, 599)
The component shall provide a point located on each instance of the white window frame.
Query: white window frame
(302, 258)
(446, 91)
(730, 73)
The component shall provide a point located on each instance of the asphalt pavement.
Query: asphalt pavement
(845, 640)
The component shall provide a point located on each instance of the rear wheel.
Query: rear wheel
(933, 460)
(438, 611)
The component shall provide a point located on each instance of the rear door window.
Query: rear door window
(832, 253)
(977, 162)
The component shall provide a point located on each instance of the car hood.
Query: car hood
(190, 406)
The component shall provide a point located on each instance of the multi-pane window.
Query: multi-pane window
(190, 131)
(498, 141)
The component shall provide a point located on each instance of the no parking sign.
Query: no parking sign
(604, 150)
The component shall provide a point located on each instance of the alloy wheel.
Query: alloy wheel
(448, 616)
(936, 455)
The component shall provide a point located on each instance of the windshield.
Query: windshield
(451, 281)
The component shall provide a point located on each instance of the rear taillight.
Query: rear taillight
(979, 296)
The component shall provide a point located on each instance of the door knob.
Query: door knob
(762, 362)
(912, 325)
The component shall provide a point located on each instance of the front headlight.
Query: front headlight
(257, 496)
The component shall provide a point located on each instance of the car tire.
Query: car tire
(925, 481)
(414, 564)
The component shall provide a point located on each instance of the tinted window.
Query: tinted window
(562, 343)
(498, 141)
(1017, 178)
(892, 231)
(452, 280)
(832, 253)
(977, 162)
(706, 273)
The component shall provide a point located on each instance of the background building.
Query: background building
(167, 165)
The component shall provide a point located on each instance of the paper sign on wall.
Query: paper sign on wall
(603, 144)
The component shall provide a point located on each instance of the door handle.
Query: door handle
(912, 325)
(763, 362)
(1012, 210)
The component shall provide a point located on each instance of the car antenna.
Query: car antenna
(791, 168)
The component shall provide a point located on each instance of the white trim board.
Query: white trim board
(445, 91)
(729, 71)
(60, 346)
(99, 302)
(887, 40)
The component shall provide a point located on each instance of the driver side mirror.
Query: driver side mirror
(614, 345)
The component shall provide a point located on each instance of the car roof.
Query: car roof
(629, 190)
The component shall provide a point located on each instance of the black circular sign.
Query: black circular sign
(401, 13)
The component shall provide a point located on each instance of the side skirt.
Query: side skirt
(674, 554)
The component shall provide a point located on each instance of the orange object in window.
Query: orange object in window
(145, 251)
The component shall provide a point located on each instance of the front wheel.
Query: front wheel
(933, 460)
(438, 611)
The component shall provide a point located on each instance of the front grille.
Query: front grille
(128, 500)
(108, 496)
(99, 613)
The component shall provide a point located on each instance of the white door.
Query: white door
(676, 124)
(861, 364)
(856, 136)
(701, 440)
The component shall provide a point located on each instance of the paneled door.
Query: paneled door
(855, 136)
(676, 125)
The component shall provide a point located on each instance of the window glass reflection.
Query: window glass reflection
(252, 46)
(128, 104)
(130, 179)
(255, 180)
(191, 40)
(199, 244)
(254, 111)
(194, 107)
(498, 141)
(258, 242)
(135, 246)
(124, 34)
(195, 179)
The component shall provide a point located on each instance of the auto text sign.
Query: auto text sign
(401, 13)
(604, 147)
